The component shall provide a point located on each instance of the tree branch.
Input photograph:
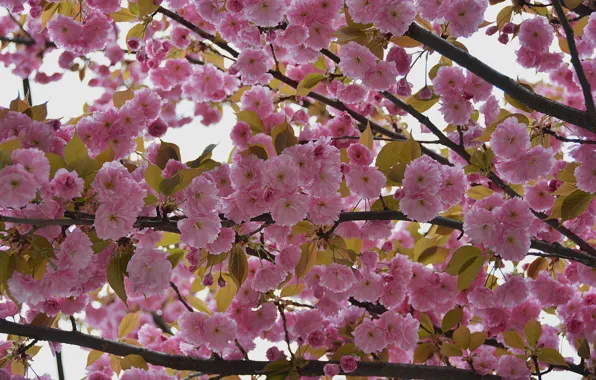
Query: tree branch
(508, 85)
(169, 225)
(577, 65)
(232, 367)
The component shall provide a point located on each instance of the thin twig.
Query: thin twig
(577, 65)
(180, 297)
(285, 325)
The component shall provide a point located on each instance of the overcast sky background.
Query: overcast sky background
(66, 99)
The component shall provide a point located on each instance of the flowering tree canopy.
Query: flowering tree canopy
(337, 238)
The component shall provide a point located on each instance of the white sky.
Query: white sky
(66, 99)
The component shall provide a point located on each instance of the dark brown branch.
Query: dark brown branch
(159, 224)
(161, 323)
(232, 367)
(577, 65)
(27, 91)
(567, 139)
(180, 297)
(17, 40)
(497, 79)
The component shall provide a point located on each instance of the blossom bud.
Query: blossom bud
(399, 194)
(348, 363)
(492, 30)
(316, 338)
(404, 88)
(208, 279)
(273, 353)
(503, 38)
(426, 93)
(221, 282)
(331, 370)
(508, 28)
(158, 128)
(133, 43)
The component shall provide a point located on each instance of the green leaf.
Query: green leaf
(120, 97)
(292, 290)
(422, 105)
(479, 192)
(147, 7)
(450, 349)
(203, 157)
(128, 324)
(38, 112)
(470, 271)
(397, 152)
(56, 162)
(423, 352)
(309, 83)
(283, 137)
(74, 149)
(116, 278)
(168, 186)
(452, 318)
(238, 265)
(533, 331)
(176, 257)
(504, 16)
(84, 166)
(477, 339)
(575, 204)
(462, 337)
(252, 119)
(123, 15)
(132, 360)
(153, 176)
(198, 304)
(166, 152)
(461, 256)
(308, 259)
(551, 356)
(514, 340)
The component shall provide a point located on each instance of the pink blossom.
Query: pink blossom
(420, 207)
(368, 337)
(281, 173)
(360, 155)
(422, 176)
(585, 175)
(515, 212)
(201, 197)
(539, 197)
(363, 11)
(331, 370)
(325, 210)
(252, 65)
(267, 278)
(513, 368)
(401, 58)
(34, 162)
(369, 289)
(149, 271)
(536, 34)
(510, 140)
(365, 182)
(464, 16)
(218, 331)
(258, 99)
(512, 244)
(513, 292)
(357, 60)
(289, 209)
(395, 16)
(348, 363)
(67, 185)
(17, 186)
(199, 230)
(316, 338)
(531, 165)
(8, 309)
(337, 278)
(192, 327)
(449, 82)
(381, 76)
(456, 110)
(481, 226)
(453, 187)
(288, 258)
(223, 243)
(264, 12)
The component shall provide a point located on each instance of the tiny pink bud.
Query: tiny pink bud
(508, 28)
(426, 93)
(503, 38)
(331, 370)
(208, 279)
(221, 282)
(158, 128)
(492, 30)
